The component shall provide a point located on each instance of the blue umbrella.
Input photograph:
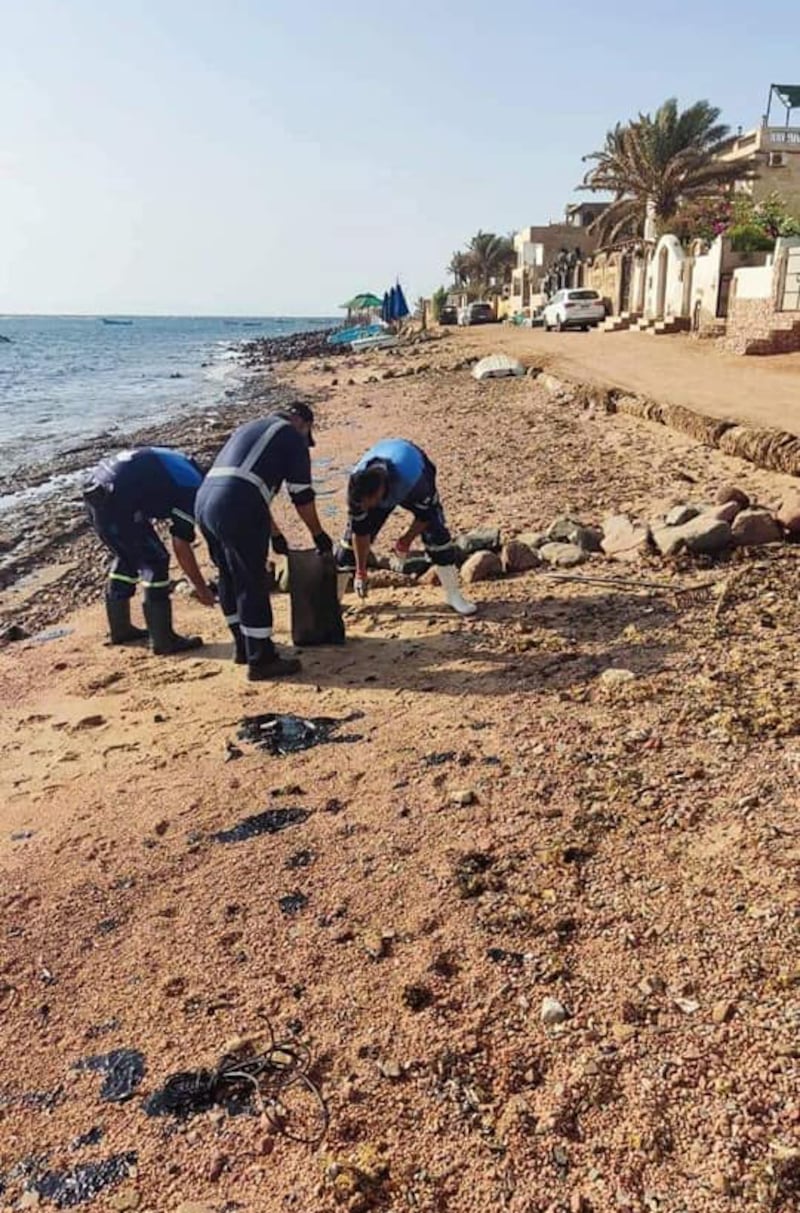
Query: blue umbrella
(392, 304)
(400, 305)
(386, 314)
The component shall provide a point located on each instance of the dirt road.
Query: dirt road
(677, 369)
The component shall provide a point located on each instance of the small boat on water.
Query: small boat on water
(115, 320)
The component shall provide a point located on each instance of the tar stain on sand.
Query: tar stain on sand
(69, 1188)
(271, 821)
(123, 1069)
(287, 734)
(293, 903)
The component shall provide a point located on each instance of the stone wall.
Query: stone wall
(755, 327)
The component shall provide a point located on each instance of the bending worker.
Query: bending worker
(233, 509)
(397, 473)
(124, 495)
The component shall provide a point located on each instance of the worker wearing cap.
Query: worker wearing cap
(395, 473)
(125, 494)
(233, 509)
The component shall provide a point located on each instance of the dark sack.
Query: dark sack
(316, 614)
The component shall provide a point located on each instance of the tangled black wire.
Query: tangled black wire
(244, 1078)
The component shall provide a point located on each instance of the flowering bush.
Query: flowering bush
(750, 225)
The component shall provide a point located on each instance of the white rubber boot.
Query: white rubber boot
(343, 579)
(448, 576)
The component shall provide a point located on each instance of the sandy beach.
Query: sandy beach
(538, 931)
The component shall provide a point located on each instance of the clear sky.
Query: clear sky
(276, 156)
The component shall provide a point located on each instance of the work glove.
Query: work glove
(323, 543)
(360, 583)
(279, 545)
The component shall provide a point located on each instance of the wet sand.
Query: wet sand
(509, 828)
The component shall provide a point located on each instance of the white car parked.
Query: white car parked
(574, 309)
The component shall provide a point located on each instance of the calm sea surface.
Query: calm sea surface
(64, 379)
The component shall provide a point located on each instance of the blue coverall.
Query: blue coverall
(412, 486)
(125, 493)
(233, 513)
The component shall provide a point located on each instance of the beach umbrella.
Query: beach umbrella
(386, 307)
(364, 302)
(392, 304)
(401, 308)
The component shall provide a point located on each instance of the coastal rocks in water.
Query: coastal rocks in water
(730, 492)
(703, 536)
(572, 530)
(486, 539)
(624, 539)
(562, 555)
(789, 511)
(482, 566)
(518, 557)
(291, 348)
(753, 528)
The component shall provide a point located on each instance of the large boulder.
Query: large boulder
(754, 528)
(481, 566)
(562, 555)
(497, 366)
(518, 557)
(486, 539)
(729, 492)
(624, 539)
(532, 539)
(703, 536)
(681, 514)
(789, 511)
(572, 530)
(726, 512)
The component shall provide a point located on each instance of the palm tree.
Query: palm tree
(654, 164)
(459, 267)
(492, 259)
(485, 265)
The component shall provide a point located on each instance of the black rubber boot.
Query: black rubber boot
(163, 641)
(239, 651)
(269, 663)
(121, 630)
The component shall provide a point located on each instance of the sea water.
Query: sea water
(65, 379)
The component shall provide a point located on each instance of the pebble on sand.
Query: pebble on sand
(553, 1012)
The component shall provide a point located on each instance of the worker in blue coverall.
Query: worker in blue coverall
(123, 497)
(395, 473)
(233, 510)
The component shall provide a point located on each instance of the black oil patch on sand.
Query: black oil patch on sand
(288, 734)
(191, 1092)
(271, 821)
(69, 1188)
(293, 903)
(124, 1069)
